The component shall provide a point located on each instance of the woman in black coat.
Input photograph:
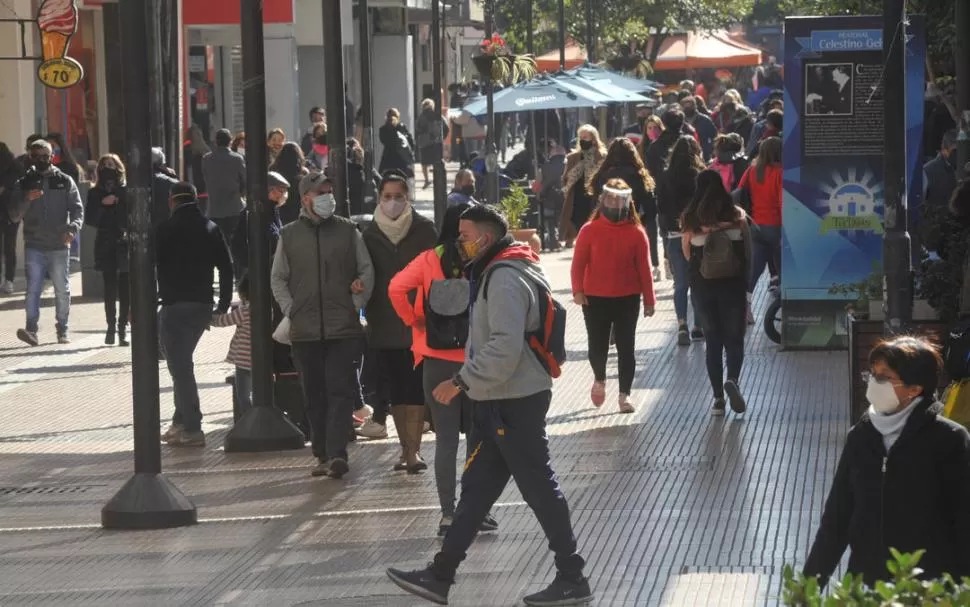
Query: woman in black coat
(398, 145)
(107, 210)
(903, 479)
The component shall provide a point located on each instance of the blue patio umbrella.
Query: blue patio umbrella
(596, 73)
(542, 93)
(615, 93)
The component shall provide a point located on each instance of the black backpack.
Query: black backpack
(548, 342)
(956, 352)
(720, 259)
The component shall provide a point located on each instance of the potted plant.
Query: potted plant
(867, 293)
(514, 206)
(497, 64)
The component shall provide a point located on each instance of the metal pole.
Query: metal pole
(333, 66)
(530, 48)
(962, 58)
(366, 99)
(897, 258)
(172, 68)
(491, 156)
(148, 500)
(440, 178)
(562, 35)
(590, 33)
(263, 427)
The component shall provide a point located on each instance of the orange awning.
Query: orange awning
(575, 57)
(701, 50)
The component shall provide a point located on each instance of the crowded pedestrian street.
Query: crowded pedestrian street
(670, 505)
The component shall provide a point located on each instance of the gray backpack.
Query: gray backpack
(720, 258)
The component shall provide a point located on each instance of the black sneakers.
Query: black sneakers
(560, 592)
(338, 468)
(683, 336)
(717, 410)
(734, 396)
(423, 583)
(28, 337)
(489, 524)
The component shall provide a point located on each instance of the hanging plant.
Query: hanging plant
(498, 65)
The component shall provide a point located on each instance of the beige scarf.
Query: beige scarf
(584, 169)
(394, 229)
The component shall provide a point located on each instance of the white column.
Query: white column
(393, 78)
(17, 104)
(282, 87)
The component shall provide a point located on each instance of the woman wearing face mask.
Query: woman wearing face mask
(426, 296)
(274, 144)
(653, 127)
(903, 479)
(107, 210)
(581, 164)
(291, 164)
(319, 156)
(610, 272)
(398, 145)
(397, 235)
(62, 158)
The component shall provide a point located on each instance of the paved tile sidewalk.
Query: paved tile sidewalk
(670, 506)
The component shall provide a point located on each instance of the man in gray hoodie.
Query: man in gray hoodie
(511, 391)
(50, 205)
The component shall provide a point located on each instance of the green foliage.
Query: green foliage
(617, 24)
(905, 588)
(940, 281)
(864, 291)
(514, 205)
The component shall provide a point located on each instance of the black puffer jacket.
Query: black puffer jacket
(915, 497)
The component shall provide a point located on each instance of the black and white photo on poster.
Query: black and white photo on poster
(828, 89)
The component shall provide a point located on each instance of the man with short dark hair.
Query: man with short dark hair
(511, 391)
(225, 179)
(706, 131)
(49, 204)
(188, 249)
(464, 191)
(317, 115)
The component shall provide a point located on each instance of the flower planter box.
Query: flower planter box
(484, 63)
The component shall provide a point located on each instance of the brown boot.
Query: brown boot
(414, 428)
(399, 414)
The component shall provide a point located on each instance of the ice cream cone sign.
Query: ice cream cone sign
(57, 20)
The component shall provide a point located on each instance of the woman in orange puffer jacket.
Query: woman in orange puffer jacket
(438, 318)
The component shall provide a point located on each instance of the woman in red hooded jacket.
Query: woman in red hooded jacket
(611, 270)
(439, 330)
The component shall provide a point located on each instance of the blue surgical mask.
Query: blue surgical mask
(324, 205)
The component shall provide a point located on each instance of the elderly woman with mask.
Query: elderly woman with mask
(397, 235)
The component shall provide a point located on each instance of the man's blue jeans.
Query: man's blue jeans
(39, 264)
(180, 327)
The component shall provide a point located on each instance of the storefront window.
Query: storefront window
(74, 111)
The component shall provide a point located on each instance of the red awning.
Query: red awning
(701, 50)
(575, 57)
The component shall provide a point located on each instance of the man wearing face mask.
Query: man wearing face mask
(464, 192)
(703, 125)
(278, 194)
(322, 276)
(50, 206)
(188, 249)
(511, 391)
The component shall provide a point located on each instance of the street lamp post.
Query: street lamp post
(148, 500)
(333, 67)
(263, 427)
(962, 59)
(366, 98)
(491, 154)
(440, 178)
(590, 33)
(530, 48)
(897, 258)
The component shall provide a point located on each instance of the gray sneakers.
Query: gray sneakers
(172, 431)
(6, 287)
(186, 438)
(28, 337)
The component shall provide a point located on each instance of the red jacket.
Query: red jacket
(417, 276)
(765, 196)
(613, 260)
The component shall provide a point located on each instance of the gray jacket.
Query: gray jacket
(315, 263)
(225, 182)
(59, 211)
(498, 363)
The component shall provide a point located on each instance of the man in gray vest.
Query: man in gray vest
(322, 277)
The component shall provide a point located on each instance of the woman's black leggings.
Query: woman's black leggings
(723, 316)
(116, 298)
(603, 314)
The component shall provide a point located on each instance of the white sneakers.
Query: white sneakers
(625, 405)
(372, 429)
(6, 287)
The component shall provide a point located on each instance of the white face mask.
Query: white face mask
(324, 205)
(394, 207)
(882, 397)
(241, 150)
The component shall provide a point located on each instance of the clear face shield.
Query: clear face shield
(615, 204)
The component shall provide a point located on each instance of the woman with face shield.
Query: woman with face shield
(397, 235)
(611, 271)
(903, 479)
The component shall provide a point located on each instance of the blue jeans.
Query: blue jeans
(681, 267)
(242, 388)
(39, 264)
(180, 327)
(765, 246)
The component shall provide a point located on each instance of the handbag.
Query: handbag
(282, 332)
